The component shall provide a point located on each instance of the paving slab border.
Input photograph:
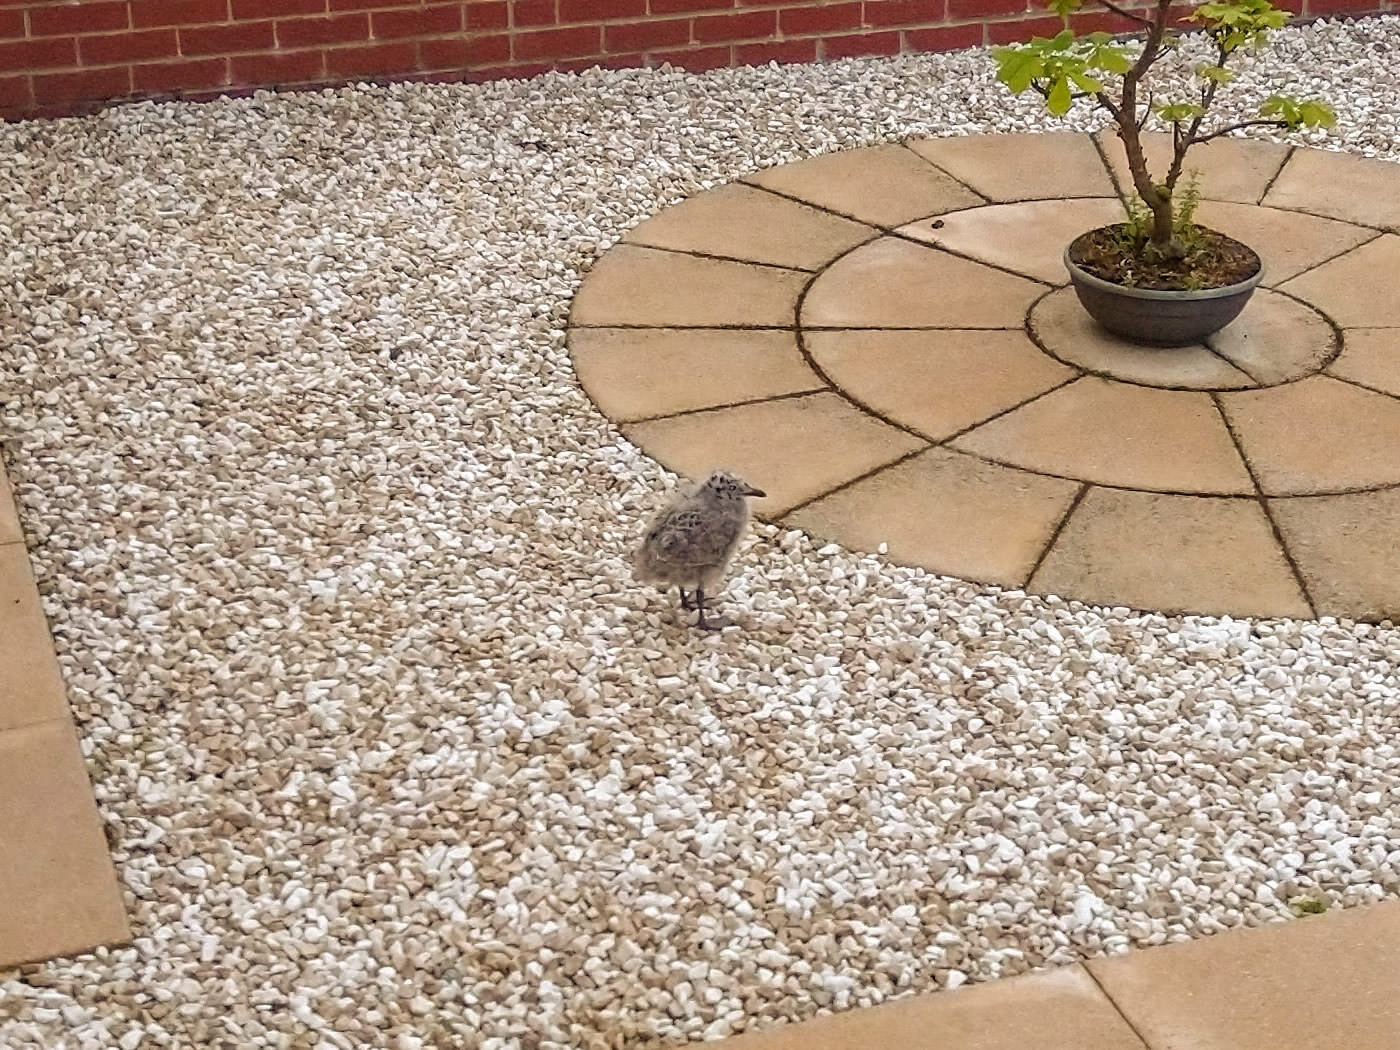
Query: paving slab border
(59, 893)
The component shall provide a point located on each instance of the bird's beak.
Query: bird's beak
(749, 490)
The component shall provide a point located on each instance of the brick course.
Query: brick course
(71, 56)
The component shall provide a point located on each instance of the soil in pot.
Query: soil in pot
(1212, 260)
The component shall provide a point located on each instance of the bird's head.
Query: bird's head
(725, 486)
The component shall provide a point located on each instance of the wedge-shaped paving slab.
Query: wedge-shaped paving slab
(31, 688)
(631, 285)
(1357, 290)
(1028, 238)
(1339, 185)
(1371, 357)
(949, 513)
(746, 223)
(1068, 333)
(892, 283)
(1189, 554)
(1347, 548)
(886, 185)
(1065, 164)
(1058, 1010)
(1112, 433)
(936, 382)
(1288, 242)
(1323, 982)
(637, 373)
(58, 892)
(795, 449)
(1277, 339)
(1232, 169)
(1317, 435)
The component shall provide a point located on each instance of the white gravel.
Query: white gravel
(394, 752)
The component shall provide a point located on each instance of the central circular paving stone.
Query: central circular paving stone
(1280, 340)
(884, 340)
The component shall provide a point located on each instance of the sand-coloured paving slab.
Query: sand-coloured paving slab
(1371, 359)
(1113, 433)
(1027, 239)
(650, 287)
(640, 373)
(905, 187)
(944, 509)
(1354, 189)
(1172, 552)
(936, 382)
(1066, 165)
(58, 890)
(893, 283)
(803, 446)
(741, 222)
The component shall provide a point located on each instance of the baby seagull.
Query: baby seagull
(690, 543)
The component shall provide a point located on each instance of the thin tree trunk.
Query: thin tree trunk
(1158, 201)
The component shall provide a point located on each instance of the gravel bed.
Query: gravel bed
(392, 751)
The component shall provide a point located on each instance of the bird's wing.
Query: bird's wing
(684, 537)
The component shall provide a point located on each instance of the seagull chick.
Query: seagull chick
(690, 543)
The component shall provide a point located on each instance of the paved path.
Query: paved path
(883, 340)
(1323, 982)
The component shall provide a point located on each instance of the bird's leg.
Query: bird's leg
(687, 602)
(700, 609)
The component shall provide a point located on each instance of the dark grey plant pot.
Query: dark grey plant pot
(1158, 318)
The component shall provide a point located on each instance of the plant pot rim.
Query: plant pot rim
(1128, 291)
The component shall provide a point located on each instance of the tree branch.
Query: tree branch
(1123, 12)
(1182, 141)
(1196, 140)
(1074, 96)
(1107, 103)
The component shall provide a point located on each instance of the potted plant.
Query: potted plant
(1157, 277)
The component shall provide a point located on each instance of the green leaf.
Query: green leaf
(1314, 113)
(1280, 107)
(1059, 99)
(1064, 8)
(1110, 58)
(1235, 23)
(1176, 112)
(1219, 74)
(1084, 82)
(1217, 14)
(1017, 67)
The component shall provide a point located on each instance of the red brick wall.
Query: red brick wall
(67, 56)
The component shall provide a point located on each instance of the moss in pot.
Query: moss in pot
(1158, 277)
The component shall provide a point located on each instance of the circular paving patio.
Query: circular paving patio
(883, 340)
